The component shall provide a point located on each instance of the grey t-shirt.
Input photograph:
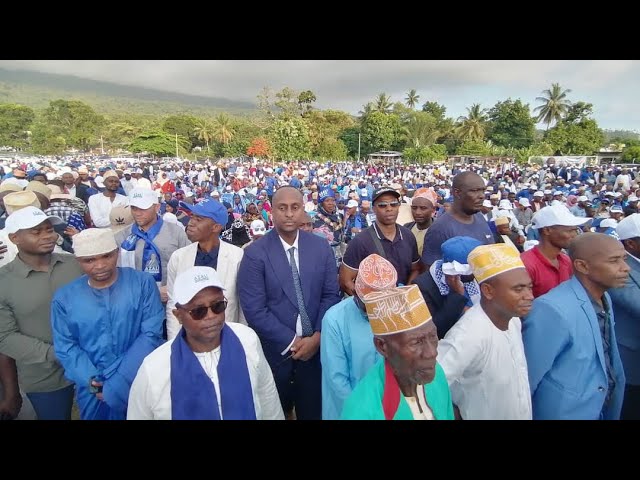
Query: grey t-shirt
(446, 227)
(170, 238)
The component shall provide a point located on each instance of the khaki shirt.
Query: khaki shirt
(25, 320)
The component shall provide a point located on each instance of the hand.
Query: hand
(455, 284)
(3, 250)
(98, 394)
(71, 231)
(305, 347)
(164, 295)
(355, 230)
(10, 406)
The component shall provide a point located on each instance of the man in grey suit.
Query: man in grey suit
(626, 305)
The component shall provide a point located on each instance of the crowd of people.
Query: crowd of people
(240, 289)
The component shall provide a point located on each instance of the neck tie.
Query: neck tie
(307, 329)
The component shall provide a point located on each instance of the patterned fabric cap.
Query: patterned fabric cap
(487, 261)
(375, 273)
(428, 194)
(396, 310)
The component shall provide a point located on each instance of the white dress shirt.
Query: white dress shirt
(100, 207)
(296, 256)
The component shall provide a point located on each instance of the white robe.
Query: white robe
(150, 394)
(486, 368)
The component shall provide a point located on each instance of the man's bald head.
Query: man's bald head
(464, 178)
(599, 262)
(585, 246)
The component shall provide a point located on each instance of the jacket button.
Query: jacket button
(601, 389)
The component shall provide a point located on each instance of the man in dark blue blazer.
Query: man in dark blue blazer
(284, 295)
(626, 305)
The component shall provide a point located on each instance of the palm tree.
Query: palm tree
(472, 127)
(205, 132)
(555, 105)
(366, 110)
(383, 103)
(412, 98)
(223, 130)
(421, 130)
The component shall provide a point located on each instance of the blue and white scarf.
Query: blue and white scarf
(471, 289)
(151, 260)
(193, 396)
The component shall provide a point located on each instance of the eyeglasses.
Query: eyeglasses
(199, 313)
(387, 204)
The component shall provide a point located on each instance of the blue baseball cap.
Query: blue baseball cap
(458, 249)
(208, 208)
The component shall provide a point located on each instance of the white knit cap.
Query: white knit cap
(94, 241)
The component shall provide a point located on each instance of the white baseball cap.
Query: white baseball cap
(538, 194)
(609, 223)
(142, 198)
(257, 226)
(352, 203)
(505, 205)
(629, 227)
(583, 198)
(556, 215)
(524, 202)
(190, 282)
(28, 217)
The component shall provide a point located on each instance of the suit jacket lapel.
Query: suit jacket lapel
(588, 309)
(278, 260)
(223, 264)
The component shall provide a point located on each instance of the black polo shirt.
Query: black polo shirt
(402, 252)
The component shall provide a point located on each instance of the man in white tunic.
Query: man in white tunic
(483, 355)
(212, 370)
(100, 204)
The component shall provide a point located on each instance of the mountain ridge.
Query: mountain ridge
(36, 90)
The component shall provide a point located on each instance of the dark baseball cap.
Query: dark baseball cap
(381, 191)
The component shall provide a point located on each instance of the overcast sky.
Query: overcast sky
(611, 85)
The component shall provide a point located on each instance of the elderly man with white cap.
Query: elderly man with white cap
(482, 355)
(104, 324)
(212, 370)
(406, 383)
(26, 286)
(147, 245)
(100, 204)
(626, 305)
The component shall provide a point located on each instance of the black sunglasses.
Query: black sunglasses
(387, 204)
(199, 313)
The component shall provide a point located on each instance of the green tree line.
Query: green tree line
(287, 126)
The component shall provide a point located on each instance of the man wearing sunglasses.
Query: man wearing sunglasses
(212, 370)
(386, 238)
(104, 324)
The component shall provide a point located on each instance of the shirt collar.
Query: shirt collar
(286, 246)
(634, 257)
(23, 269)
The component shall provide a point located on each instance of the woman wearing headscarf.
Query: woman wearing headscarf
(329, 217)
(448, 287)
(252, 214)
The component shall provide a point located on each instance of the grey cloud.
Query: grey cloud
(348, 84)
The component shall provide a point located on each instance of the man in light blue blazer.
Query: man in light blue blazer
(626, 305)
(575, 371)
